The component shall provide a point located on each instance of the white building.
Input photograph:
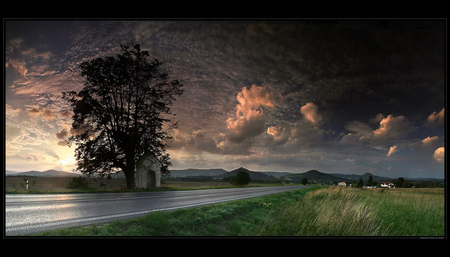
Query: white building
(387, 184)
(148, 171)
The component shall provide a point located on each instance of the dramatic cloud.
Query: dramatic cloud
(14, 44)
(362, 130)
(35, 112)
(62, 143)
(249, 121)
(280, 133)
(391, 128)
(392, 150)
(48, 115)
(351, 139)
(430, 141)
(53, 83)
(63, 134)
(18, 65)
(198, 142)
(305, 135)
(309, 110)
(379, 117)
(66, 114)
(436, 118)
(439, 154)
(317, 105)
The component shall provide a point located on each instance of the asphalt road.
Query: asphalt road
(27, 214)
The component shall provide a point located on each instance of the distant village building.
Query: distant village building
(148, 172)
(387, 184)
(343, 184)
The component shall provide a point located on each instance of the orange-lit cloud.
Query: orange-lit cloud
(309, 111)
(18, 65)
(249, 121)
(35, 112)
(391, 128)
(392, 150)
(430, 140)
(439, 154)
(66, 114)
(48, 115)
(280, 133)
(436, 118)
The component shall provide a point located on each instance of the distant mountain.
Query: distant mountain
(196, 172)
(253, 175)
(277, 174)
(47, 173)
(312, 175)
(365, 176)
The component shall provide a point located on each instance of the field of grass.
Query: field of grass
(316, 211)
(341, 211)
(59, 185)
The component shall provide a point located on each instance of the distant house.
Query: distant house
(343, 184)
(387, 184)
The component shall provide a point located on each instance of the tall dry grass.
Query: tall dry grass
(341, 211)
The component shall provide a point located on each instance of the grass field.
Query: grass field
(59, 185)
(341, 211)
(316, 211)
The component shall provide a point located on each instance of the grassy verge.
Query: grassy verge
(234, 218)
(49, 186)
(340, 211)
(317, 211)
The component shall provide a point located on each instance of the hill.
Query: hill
(196, 172)
(277, 174)
(312, 175)
(255, 176)
(365, 177)
(47, 173)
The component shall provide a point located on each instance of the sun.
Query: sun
(67, 161)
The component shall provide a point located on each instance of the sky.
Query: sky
(339, 96)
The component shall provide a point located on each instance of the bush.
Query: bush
(78, 183)
(242, 178)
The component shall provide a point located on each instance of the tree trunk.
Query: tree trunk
(129, 175)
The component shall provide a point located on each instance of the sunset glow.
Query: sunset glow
(338, 96)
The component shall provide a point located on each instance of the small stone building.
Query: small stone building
(148, 171)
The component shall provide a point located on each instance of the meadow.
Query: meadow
(315, 211)
(53, 185)
(342, 211)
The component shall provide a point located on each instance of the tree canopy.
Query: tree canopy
(120, 113)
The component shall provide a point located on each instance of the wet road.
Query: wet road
(27, 214)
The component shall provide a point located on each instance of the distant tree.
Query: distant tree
(370, 181)
(360, 183)
(304, 181)
(400, 182)
(406, 184)
(242, 178)
(120, 112)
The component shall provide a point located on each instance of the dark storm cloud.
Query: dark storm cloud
(352, 95)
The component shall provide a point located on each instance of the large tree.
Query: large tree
(121, 112)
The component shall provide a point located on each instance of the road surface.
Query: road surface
(27, 214)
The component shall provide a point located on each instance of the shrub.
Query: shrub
(241, 178)
(78, 183)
